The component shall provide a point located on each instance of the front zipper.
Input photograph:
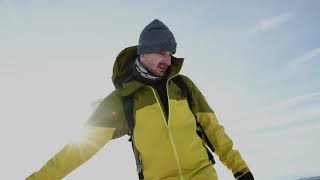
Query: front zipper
(173, 146)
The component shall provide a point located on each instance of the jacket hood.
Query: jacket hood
(122, 72)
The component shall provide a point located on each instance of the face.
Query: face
(156, 63)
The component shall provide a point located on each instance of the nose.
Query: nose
(167, 59)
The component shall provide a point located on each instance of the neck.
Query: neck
(143, 71)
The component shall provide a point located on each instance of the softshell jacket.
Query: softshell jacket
(169, 145)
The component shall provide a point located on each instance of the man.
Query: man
(166, 128)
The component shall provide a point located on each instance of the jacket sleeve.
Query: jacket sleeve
(216, 134)
(104, 124)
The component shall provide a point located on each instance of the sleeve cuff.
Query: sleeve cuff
(241, 176)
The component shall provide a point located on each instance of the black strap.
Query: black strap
(186, 92)
(128, 110)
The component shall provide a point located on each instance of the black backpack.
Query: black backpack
(128, 110)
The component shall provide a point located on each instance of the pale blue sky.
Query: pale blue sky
(256, 62)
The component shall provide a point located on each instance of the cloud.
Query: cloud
(297, 62)
(273, 22)
(294, 102)
(4, 2)
(294, 112)
(305, 117)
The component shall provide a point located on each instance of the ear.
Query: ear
(142, 58)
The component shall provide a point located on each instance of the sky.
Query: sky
(256, 62)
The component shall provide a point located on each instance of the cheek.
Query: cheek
(154, 63)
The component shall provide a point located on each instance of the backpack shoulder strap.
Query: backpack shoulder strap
(186, 92)
(127, 102)
(128, 111)
(184, 89)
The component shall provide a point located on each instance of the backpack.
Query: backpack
(128, 110)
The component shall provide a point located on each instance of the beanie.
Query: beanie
(156, 37)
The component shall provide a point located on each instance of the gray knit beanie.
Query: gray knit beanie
(156, 37)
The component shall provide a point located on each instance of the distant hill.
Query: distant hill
(310, 178)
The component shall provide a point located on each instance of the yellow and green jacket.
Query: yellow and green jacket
(169, 146)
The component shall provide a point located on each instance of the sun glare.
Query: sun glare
(77, 135)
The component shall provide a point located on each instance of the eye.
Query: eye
(165, 53)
